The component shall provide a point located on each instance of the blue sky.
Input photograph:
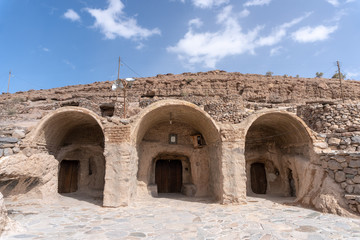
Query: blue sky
(51, 43)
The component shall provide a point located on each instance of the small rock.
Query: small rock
(16, 150)
(340, 159)
(354, 163)
(340, 176)
(334, 165)
(334, 141)
(27, 151)
(356, 139)
(351, 171)
(349, 189)
(138, 234)
(357, 189)
(356, 179)
(321, 145)
(8, 140)
(18, 134)
(8, 152)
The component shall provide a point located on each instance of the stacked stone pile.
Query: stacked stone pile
(10, 140)
(344, 168)
(339, 123)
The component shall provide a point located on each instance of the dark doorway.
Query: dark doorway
(258, 178)
(168, 176)
(291, 184)
(68, 176)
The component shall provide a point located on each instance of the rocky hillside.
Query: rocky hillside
(225, 96)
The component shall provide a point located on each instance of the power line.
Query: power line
(131, 69)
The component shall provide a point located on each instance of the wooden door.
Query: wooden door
(258, 178)
(168, 176)
(68, 176)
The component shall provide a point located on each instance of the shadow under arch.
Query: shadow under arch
(184, 120)
(74, 136)
(278, 147)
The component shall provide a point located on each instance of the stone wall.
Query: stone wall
(10, 140)
(344, 168)
(339, 125)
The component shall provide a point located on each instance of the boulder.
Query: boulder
(18, 133)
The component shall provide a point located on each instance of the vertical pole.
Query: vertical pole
(119, 70)
(9, 81)
(342, 96)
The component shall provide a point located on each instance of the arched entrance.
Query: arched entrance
(178, 151)
(276, 147)
(75, 138)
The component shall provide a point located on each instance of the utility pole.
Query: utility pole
(124, 83)
(342, 96)
(9, 81)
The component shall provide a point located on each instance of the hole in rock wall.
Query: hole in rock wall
(77, 141)
(159, 154)
(274, 142)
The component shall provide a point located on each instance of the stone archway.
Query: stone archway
(74, 136)
(178, 129)
(282, 145)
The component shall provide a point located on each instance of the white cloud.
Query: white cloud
(279, 32)
(335, 3)
(313, 34)
(208, 3)
(196, 22)
(72, 15)
(45, 49)
(352, 74)
(256, 3)
(275, 51)
(207, 48)
(113, 23)
(244, 13)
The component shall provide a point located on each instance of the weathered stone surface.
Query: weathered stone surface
(356, 139)
(16, 150)
(356, 179)
(321, 145)
(340, 159)
(357, 189)
(8, 140)
(1, 152)
(352, 171)
(3, 215)
(354, 163)
(8, 152)
(18, 134)
(349, 189)
(334, 165)
(334, 141)
(340, 176)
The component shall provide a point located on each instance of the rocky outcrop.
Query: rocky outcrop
(3, 215)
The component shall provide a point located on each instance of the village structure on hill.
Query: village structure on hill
(210, 134)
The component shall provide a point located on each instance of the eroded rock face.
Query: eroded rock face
(3, 215)
(237, 115)
(36, 175)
